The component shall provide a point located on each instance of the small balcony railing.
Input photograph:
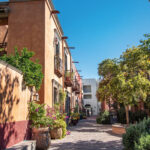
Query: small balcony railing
(75, 86)
(68, 78)
(58, 66)
(3, 47)
(78, 89)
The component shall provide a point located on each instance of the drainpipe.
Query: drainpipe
(63, 70)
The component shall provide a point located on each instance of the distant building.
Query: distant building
(90, 101)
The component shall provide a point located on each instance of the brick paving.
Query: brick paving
(88, 135)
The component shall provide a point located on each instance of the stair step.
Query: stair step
(24, 145)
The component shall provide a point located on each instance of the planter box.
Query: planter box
(56, 133)
(42, 137)
(74, 122)
(119, 129)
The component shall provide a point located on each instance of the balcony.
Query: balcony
(75, 86)
(68, 79)
(58, 66)
(3, 47)
(78, 90)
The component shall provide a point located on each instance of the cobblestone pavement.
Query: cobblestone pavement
(88, 135)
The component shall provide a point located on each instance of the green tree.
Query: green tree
(126, 80)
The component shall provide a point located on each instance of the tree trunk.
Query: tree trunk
(127, 114)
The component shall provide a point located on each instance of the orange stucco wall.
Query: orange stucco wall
(27, 29)
(14, 95)
(14, 98)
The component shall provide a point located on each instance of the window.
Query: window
(55, 95)
(66, 63)
(87, 88)
(88, 96)
(56, 43)
(57, 49)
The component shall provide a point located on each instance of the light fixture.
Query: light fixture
(35, 97)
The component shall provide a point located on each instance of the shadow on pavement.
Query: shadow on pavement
(88, 145)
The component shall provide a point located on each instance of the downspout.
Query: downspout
(63, 70)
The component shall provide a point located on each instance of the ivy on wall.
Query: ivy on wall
(32, 71)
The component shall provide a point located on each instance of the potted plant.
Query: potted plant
(74, 118)
(39, 124)
(58, 127)
(56, 131)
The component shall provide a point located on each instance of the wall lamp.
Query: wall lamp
(55, 12)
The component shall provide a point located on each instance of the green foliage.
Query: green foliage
(58, 119)
(121, 115)
(103, 118)
(1, 49)
(133, 116)
(126, 80)
(62, 96)
(144, 143)
(69, 74)
(134, 132)
(64, 128)
(37, 114)
(32, 71)
(75, 116)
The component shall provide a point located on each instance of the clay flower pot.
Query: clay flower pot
(74, 122)
(56, 133)
(42, 137)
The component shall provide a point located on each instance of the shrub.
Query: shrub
(58, 119)
(144, 143)
(103, 118)
(133, 116)
(37, 115)
(75, 116)
(134, 132)
(32, 71)
(140, 115)
(121, 115)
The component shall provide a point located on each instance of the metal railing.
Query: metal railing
(58, 64)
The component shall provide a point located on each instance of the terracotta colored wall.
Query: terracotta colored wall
(50, 26)
(14, 98)
(80, 83)
(14, 132)
(27, 29)
(3, 30)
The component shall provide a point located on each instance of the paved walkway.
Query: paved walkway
(88, 135)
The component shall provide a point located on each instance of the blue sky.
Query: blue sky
(101, 29)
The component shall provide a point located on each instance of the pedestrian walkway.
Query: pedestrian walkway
(88, 135)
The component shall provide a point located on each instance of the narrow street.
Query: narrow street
(88, 135)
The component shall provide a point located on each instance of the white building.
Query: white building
(89, 96)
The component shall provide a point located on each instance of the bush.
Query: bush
(133, 116)
(32, 71)
(58, 119)
(134, 132)
(103, 118)
(144, 143)
(37, 115)
(121, 115)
